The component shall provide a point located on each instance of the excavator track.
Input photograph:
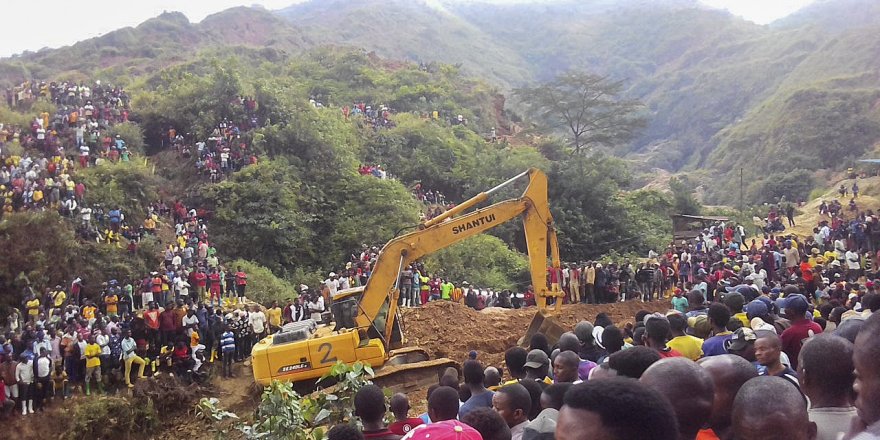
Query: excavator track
(407, 369)
(410, 368)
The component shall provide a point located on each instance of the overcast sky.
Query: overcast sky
(57, 23)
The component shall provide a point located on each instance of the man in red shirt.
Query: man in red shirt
(215, 286)
(151, 320)
(795, 307)
(402, 422)
(201, 284)
(168, 324)
(240, 283)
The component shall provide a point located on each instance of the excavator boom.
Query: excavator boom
(305, 352)
(380, 294)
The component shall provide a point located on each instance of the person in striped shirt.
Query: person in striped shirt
(227, 346)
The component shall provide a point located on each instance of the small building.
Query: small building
(688, 227)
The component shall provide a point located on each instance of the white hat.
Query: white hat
(303, 287)
(759, 324)
(332, 274)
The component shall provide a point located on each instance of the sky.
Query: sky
(92, 18)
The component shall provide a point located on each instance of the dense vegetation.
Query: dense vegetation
(303, 208)
(718, 90)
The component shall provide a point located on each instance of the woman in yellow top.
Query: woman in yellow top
(111, 302)
(88, 311)
(150, 224)
(273, 314)
(93, 364)
(33, 306)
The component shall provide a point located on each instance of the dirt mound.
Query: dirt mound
(447, 329)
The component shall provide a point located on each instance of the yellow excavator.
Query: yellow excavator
(368, 327)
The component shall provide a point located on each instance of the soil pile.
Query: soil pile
(447, 329)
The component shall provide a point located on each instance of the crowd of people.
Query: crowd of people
(81, 338)
(39, 162)
(224, 151)
(780, 366)
(780, 316)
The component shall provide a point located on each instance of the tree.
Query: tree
(587, 106)
(484, 261)
(683, 200)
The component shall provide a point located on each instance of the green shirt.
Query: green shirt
(680, 304)
(446, 290)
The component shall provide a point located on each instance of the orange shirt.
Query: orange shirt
(807, 272)
(706, 434)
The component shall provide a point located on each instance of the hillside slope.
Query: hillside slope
(722, 93)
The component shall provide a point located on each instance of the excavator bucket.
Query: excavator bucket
(545, 324)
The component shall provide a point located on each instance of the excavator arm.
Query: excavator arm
(381, 291)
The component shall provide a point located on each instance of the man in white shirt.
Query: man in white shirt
(257, 321)
(190, 322)
(853, 266)
(332, 283)
(86, 213)
(316, 307)
(24, 376)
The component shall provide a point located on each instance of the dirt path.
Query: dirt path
(869, 198)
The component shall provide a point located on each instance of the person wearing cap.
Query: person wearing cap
(537, 366)
(795, 307)
(757, 309)
(742, 344)
(445, 430)
(589, 349)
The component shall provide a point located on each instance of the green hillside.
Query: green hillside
(719, 90)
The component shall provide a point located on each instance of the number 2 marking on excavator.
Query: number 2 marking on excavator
(326, 359)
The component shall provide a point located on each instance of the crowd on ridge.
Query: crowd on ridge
(77, 135)
(778, 366)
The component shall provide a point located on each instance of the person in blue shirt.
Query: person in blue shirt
(227, 347)
(473, 374)
(719, 316)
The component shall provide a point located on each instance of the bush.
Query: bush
(483, 261)
(132, 134)
(107, 417)
(130, 186)
(263, 286)
(285, 415)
